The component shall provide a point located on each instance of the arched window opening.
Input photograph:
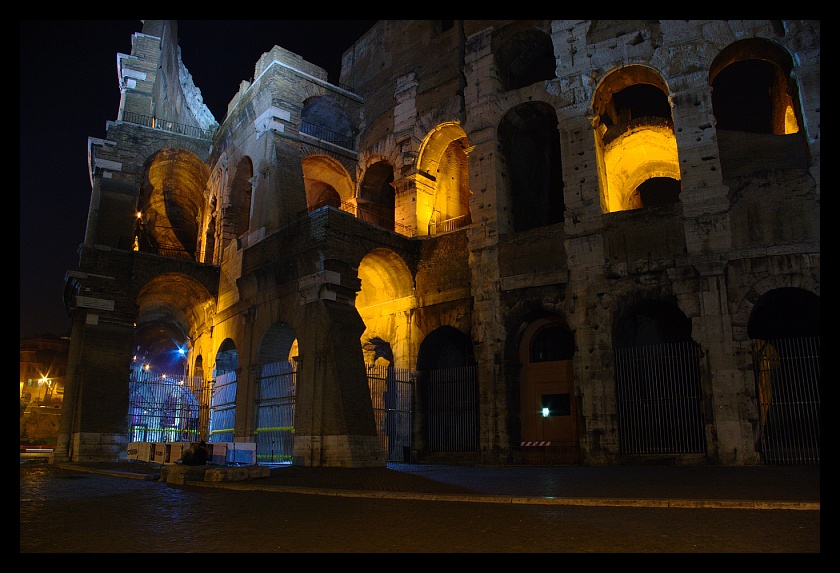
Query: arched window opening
(325, 119)
(531, 146)
(524, 58)
(755, 101)
(170, 204)
(327, 183)
(376, 199)
(639, 162)
(443, 193)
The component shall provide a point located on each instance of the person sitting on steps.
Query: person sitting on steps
(196, 455)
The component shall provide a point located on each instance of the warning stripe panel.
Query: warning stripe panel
(529, 444)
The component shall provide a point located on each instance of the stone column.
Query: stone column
(334, 421)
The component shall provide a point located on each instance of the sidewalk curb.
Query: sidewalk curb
(473, 498)
(112, 473)
(525, 500)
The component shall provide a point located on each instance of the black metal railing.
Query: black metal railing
(170, 126)
(326, 134)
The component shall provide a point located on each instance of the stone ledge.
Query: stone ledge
(180, 474)
(236, 473)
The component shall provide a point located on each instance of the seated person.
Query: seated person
(196, 455)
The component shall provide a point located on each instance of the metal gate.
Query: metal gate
(658, 399)
(165, 408)
(788, 389)
(453, 410)
(223, 408)
(391, 396)
(275, 432)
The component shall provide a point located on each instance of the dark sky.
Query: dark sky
(68, 91)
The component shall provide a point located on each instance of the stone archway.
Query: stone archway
(548, 408)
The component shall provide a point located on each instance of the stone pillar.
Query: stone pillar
(94, 419)
(334, 421)
(63, 449)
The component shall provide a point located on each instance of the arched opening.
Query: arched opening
(785, 330)
(637, 148)
(323, 118)
(752, 89)
(167, 403)
(327, 183)
(276, 391)
(385, 303)
(443, 197)
(549, 426)
(657, 375)
(524, 58)
(375, 203)
(170, 203)
(758, 115)
(448, 393)
(223, 393)
(531, 147)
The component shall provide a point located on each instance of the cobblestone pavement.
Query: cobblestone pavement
(753, 487)
(98, 510)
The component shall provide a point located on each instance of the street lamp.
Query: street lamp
(182, 352)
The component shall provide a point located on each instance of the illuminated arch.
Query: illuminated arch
(327, 182)
(384, 302)
(755, 74)
(170, 203)
(631, 159)
(634, 135)
(443, 194)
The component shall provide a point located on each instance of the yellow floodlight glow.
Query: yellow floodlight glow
(639, 154)
(791, 125)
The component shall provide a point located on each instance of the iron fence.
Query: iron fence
(328, 135)
(223, 408)
(452, 410)
(658, 399)
(787, 373)
(391, 395)
(170, 126)
(165, 408)
(275, 428)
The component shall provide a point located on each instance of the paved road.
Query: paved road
(69, 511)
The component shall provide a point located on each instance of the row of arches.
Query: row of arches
(662, 396)
(752, 90)
(638, 152)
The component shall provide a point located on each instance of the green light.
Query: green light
(545, 412)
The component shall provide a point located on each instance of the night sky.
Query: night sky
(69, 90)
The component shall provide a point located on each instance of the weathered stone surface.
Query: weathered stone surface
(448, 128)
